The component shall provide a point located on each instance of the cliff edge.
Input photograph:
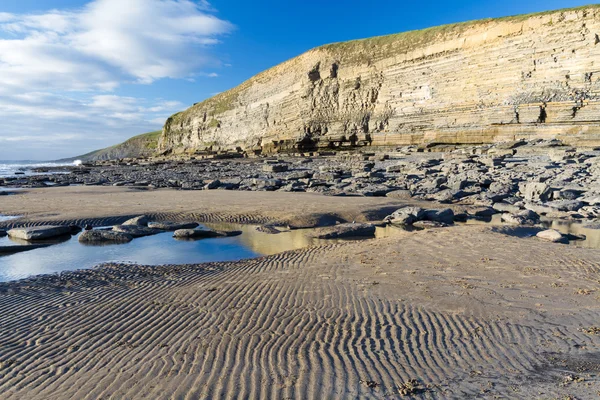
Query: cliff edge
(517, 77)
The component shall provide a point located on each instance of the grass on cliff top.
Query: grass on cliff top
(146, 140)
(412, 39)
(362, 50)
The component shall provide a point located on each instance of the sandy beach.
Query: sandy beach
(463, 311)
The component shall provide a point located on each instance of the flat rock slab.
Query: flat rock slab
(136, 231)
(100, 237)
(203, 234)
(552, 235)
(7, 250)
(142, 220)
(39, 232)
(344, 231)
(172, 226)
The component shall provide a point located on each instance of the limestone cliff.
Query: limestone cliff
(138, 146)
(474, 82)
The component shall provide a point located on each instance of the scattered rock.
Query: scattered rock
(344, 231)
(102, 236)
(552, 235)
(172, 226)
(39, 232)
(136, 231)
(142, 220)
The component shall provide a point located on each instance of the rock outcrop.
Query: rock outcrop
(476, 82)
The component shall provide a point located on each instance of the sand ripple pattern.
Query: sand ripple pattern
(282, 327)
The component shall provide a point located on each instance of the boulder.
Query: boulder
(429, 224)
(275, 168)
(402, 194)
(406, 216)
(136, 231)
(101, 236)
(444, 216)
(537, 191)
(343, 231)
(39, 232)
(506, 208)
(552, 235)
(172, 226)
(525, 217)
(142, 220)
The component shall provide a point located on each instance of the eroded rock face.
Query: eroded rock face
(480, 82)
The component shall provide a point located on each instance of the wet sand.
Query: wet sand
(467, 312)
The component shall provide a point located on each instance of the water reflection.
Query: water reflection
(592, 236)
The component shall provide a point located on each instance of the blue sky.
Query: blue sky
(80, 75)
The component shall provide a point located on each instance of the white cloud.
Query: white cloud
(66, 66)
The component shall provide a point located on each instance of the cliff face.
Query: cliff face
(138, 146)
(475, 82)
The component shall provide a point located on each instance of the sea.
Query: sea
(15, 168)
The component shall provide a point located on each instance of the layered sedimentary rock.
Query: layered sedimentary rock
(475, 82)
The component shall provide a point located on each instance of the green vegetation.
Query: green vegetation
(382, 46)
(137, 146)
(214, 123)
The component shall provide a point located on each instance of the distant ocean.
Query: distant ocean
(10, 168)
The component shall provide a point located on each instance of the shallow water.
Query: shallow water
(592, 236)
(4, 218)
(68, 254)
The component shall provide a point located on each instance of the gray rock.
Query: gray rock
(39, 232)
(7, 250)
(552, 235)
(172, 226)
(537, 191)
(344, 231)
(405, 214)
(136, 230)
(275, 168)
(444, 216)
(214, 184)
(429, 224)
(402, 194)
(506, 208)
(203, 234)
(565, 205)
(142, 220)
(102, 236)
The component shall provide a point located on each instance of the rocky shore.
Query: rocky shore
(521, 180)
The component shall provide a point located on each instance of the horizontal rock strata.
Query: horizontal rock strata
(476, 82)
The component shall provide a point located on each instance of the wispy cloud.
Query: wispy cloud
(68, 65)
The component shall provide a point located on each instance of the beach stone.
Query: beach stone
(101, 236)
(6, 250)
(136, 231)
(399, 194)
(172, 226)
(142, 220)
(429, 224)
(552, 235)
(344, 231)
(39, 232)
(537, 191)
(444, 216)
(275, 168)
(506, 208)
(203, 234)
(566, 205)
(406, 215)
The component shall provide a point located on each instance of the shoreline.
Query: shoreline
(462, 310)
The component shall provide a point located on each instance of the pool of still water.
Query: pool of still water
(68, 254)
